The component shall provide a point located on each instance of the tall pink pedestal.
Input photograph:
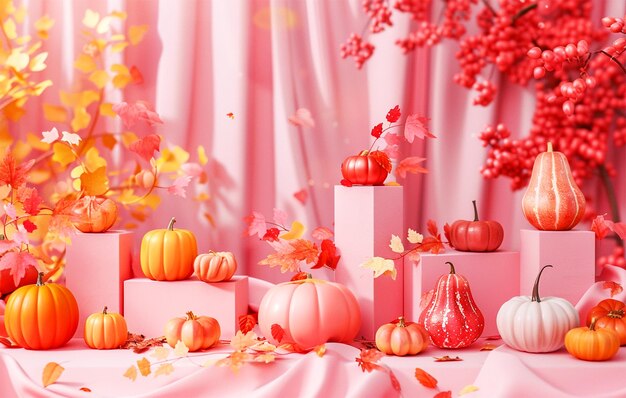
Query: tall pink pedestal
(572, 253)
(97, 266)
(365, 219)
(150, 304)
(493, 278)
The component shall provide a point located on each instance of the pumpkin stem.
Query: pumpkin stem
(452, 270)
(475, 211)
(401, 323)
(549, 146)
(170, 226)
(40, 279)
(191, 316)
(2, 237)
(104, 311)
(309, 276)
(592, 326)
(535, 295)
(364, 153)
(616, 314)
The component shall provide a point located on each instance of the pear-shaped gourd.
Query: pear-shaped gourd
(553, 201)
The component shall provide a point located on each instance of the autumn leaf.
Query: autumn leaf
(302, 196)
(144, 366)
(30, 199)
(13, 174)
(488, 347)
(51, 373)
(297, 230)
(299, 276)
(377, 131)
(320, 350)
(414, 237)
(444, 394)
(410, 165)
(396, 244)
(302, 118)
(131, 373)
(139, 111)
(146, 146)
(136, 75)
(614, 287)
(394, 114)
(85, 389)
(601, 227)
(235, 361)
(468, 389)
(230, 115)
(368, 358)
(263, 346)
(447, 232)
(394, 381)
(164, 369)
(241, 341)
(180, 349)
(447, 358)
(292, 347)
(70, 138)
(328, 256)
(382, 159)
(160, 353)
(136, 33)
(303, 250)
(179, 187)
(278, 333)
(247, 322)
(416, 126)
(425, 378)
(95, 183)
(322, 233)
(381, 266)
(17, 263)
(256, 224)
(62, 154)
(271, 235)
(266, 357)
(345, 183)
(50, 136)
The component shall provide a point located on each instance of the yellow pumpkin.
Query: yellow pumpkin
(215, 267)
(105, 331)
(168, 254)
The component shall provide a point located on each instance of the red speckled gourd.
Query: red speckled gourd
(476, 236)
(452, 318)
(553, 201)
(365, 169)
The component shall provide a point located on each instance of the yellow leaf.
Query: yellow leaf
(38, 62)
(160, 353)
(21, 149)
(44, 23)
(51, 373)
(202, 196)
(62, 154)
(128, 137)
(10, 29)
(180, 349)
(81, 118)
(136, 33)
(131, 373)
(77, 171)
(414, 237)
(144, 366)
(153, 201)
(265, 357)
(171, 159)
(104, 25)
(128, 196)
(202, 157)
(241, 342)
(297, 230)
(17, 60)
(118, 37)
(381, 266)
(23, 40)
(121, 81)
(109, 141)
(396, 244)
(119, 47)
(91, 19)
(20, 13)
(14, 111)
(320, 350)
(87, 97)
(95, 183)
(106, 109)
(164, 369)
(41, 86)
(35, 141)
(119, 14)
(85, 63)
(468, 389)
(93, 160)
(54, 113)
(100, 78)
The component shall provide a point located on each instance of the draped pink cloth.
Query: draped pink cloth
(264, 59)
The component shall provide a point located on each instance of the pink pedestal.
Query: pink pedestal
(150, 304)
(493, 279)
(365, 219)
(572, 253)
(97, 266)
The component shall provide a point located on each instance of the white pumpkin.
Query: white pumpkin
(534, 324)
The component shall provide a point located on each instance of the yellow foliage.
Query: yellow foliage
(17, 60)
(81, 118)
(91, 18)
(106, 109)
(10, 29)
(62, 154)
(95, 183)
(202, 157)
(35, 141)
(54, 113)
(93, 160)
(38, 62)
(119, 47)
(128, 137)
(153, 201)
(136, 33)
(85, 63)
(171, 159)
(44, 23)
(82, 98)
(122, 77)
(109, 141)
(100, 78)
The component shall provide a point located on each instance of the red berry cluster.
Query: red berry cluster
(615, 25)
(616, 258)
(486, 93)
(418, 9)
(379, 13)
(357, 48)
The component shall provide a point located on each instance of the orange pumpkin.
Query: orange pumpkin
(215, 267)
(41, 316)
(609, 314)
(168, 254)
(402, 338)
(145, 179)
(591, 344)
(196, 332)
(553, 201)
(94, 214)
(105, 331)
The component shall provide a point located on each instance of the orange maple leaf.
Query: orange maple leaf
(368, 358)
(12, 174)
(382, 159)
(425, 378)
(51, 373)
(614, 287)
(247, 322)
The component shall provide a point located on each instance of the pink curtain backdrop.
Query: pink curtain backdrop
(264, 59)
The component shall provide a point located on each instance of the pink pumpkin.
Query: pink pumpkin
(311, 312)
(215, 267)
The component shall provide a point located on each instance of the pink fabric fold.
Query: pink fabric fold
(599, 291)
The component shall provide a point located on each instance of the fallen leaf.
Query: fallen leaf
(241, 341)
(266, 357)
(488, 347)
(180, 349)
(444, 394)
(447, 358)
(425, 378)
(131, 373)
(164, 369)
(396, 244)
(368, 358)
(278, 333)
(144, 366)
(85, 389)
(493, 337)
(394, 381)
(320, 350)
(247, 322)
(614, 287)
(160, 353)
(51, 373)
(263, 346)
(381, 266)
(468, 389)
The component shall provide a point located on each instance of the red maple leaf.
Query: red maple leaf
(447, 232)
(145, 146)
(394, 114)
(368, 358)
(601, 226)
(377, 131)
(16, 263)
(382, 159)
(13, 174)
(271, 235)
(328, 256)
(278, 333)
(29, 226)
(614, 287)
(416, 126)
(425, 378)
(302, 195)
(247, 322)
(431, 225)
(410, 165)
(30, 199)
(132, 113)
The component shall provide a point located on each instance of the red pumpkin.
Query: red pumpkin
(610, 314)
(311, 312)
(7, 282)
(196, 332)
(456, 322)
(94, 214)
(366, 168)
(476, 236)
(553, 201)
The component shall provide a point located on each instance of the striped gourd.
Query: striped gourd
(553, 201)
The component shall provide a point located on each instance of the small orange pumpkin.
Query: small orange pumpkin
(215, 267)
(94, 214)
(196, 332)
(610, 314)
(34, 311)
(591, 344)
(105, 331)
(168, 254)
(402, 338)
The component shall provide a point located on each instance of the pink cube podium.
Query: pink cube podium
(493, 278)
(97, 266)
(365, 219)
(572, 253)
(150, 304)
